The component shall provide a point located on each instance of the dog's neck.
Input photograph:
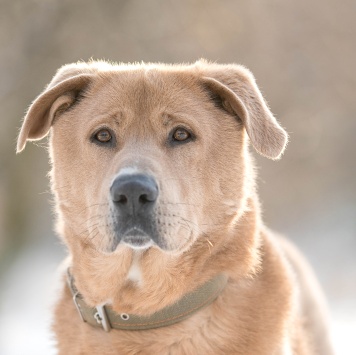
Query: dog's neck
(103, 316)
(144, 282)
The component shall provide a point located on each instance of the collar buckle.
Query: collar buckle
(102, 318)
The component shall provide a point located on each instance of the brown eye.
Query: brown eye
(103, 136)
(181, 134)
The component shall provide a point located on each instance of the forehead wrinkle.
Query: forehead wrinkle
(152, 98)
(117, 118)
(140, 122)
(167, 118)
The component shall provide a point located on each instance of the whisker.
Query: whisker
(87, 230)
(61, 187)
(89, 236)
(179, 203)
(90, 206)
(210, 244)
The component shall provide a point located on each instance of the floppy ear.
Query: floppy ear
(58, 96)
(237, 89)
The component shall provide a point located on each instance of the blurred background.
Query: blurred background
(303, 55)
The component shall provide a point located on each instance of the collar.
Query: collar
(103, 316)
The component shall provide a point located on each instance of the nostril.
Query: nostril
(143, 199)
(122, 199)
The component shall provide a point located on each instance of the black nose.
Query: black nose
(133, 194)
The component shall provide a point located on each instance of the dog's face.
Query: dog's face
(151, 156)
(137, 156)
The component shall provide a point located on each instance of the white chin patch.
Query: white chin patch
(137, 239)
(134, 273)
(139, 247)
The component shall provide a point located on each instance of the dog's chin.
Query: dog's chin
(138, 242)
(137, 239)
(133, 238)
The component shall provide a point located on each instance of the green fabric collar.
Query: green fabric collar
(104, 317)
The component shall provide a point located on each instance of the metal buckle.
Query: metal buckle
(102, 318)
(77, 306)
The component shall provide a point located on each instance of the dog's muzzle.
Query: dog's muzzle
(134, 198)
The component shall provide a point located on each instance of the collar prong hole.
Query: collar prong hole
(124, 316)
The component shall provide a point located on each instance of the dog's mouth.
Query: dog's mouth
(136, 238)
(144, 232)
(136, 232)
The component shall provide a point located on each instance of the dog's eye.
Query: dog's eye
(103, 136)
(181, 135)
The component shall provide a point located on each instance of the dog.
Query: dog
(156, 200)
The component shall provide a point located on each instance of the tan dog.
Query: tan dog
(155, 198)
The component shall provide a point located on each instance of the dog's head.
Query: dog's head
(151, 155)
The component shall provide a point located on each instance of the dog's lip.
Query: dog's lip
(137, 238)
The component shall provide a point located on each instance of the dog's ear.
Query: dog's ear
(58, 96)
(236, 88)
